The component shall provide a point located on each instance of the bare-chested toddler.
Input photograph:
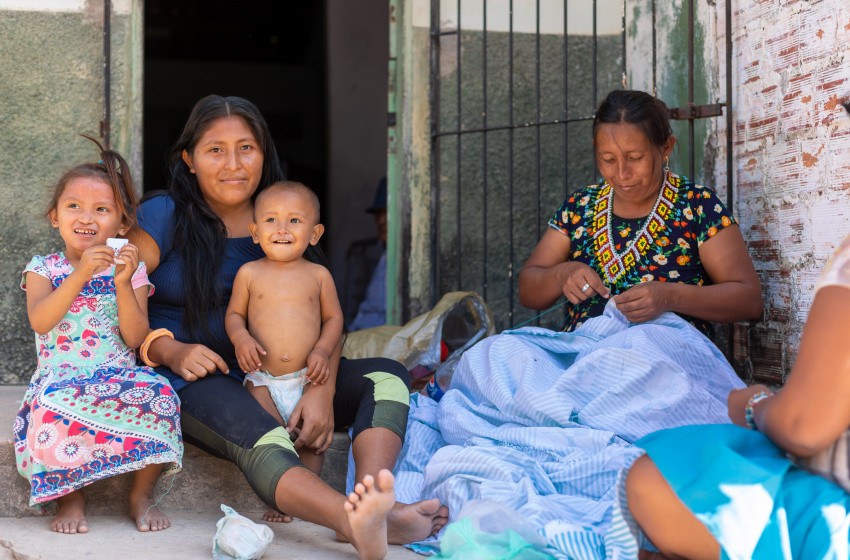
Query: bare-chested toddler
(284, 318)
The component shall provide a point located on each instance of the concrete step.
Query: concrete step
(204, 482)
(189, 538)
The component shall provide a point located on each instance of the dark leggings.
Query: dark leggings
(220, 416)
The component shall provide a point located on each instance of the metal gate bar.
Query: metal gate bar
(450, 268)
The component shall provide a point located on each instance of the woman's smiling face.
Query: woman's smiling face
(228, 163)
(629, 162)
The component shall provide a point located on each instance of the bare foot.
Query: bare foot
(414, 522)
(147, 516)
(367, 508)
(274, 516)
(409, 523)
(71, 515)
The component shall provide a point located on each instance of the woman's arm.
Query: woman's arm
(149, 252)
(733, 295)
(813, 408)
(548, 274)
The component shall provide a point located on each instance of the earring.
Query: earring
(666, 165)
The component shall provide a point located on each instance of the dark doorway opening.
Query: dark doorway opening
(270, 52)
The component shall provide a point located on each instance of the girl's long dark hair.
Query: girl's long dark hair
(200, 235)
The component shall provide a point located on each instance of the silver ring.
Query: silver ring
(585, 288)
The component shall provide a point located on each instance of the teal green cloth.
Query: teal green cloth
(755, 501)
(462, 541)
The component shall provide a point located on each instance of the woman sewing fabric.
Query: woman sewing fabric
(653, 240)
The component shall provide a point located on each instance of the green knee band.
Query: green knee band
(278, 436)
(392, 403)
(388, 387)
(265, 463)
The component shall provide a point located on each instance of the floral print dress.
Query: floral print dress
(89, 412)
(662, 247)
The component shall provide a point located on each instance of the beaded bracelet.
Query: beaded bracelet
(748, 410)
(153, 335)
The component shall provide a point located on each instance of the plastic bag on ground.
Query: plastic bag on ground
(457, 317)
(239, 538)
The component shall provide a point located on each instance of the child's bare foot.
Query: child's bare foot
(274, 516)
(71, 515)
(367, 508)
(147, 516)
(409, 523)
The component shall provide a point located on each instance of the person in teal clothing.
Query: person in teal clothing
(774, 486)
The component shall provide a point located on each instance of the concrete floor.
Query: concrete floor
(193, 505)
(189, 538)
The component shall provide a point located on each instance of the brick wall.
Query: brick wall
(791, 64)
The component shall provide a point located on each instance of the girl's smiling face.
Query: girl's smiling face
(86, 215)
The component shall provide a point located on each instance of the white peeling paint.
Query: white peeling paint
(119, 7)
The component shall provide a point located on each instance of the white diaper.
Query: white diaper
(284, 389)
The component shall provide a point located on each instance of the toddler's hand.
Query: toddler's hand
(318, 367)
(248, 352)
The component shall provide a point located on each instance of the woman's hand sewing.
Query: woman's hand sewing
(312, 420)
(644, 302)
(580, 282)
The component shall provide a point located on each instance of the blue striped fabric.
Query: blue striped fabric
(543, 422)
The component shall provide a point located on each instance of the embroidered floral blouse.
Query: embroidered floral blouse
(662, 247)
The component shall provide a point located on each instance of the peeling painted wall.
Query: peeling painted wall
(51, 86)
(792, 158)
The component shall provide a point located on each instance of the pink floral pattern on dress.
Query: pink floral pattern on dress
(89, 412)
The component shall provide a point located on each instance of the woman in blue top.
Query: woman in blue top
(194, 237)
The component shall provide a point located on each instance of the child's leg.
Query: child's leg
(71, 516)
(262, 395)
(311, 460)
(142, 509)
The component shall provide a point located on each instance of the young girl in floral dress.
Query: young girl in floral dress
(89, 412)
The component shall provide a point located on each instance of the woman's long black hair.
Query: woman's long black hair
(200, 235)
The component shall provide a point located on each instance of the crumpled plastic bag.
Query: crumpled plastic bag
(456, 318)
(239, 538)
(487, 530)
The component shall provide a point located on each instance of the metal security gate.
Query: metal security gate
(513, 88)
